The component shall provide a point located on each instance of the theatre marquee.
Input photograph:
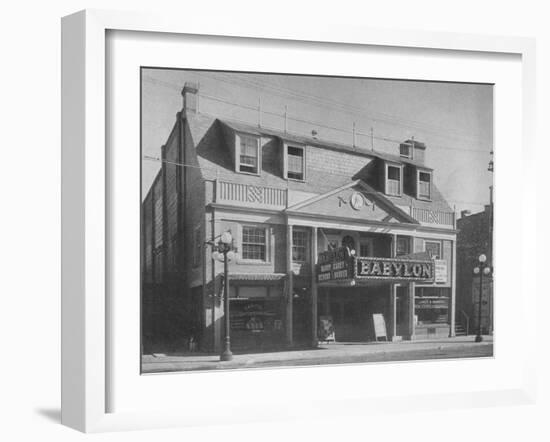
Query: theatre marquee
(394, 269)
(340, 265)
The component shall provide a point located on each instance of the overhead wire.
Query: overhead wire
(302, 120)
(323, 101)
(317, 169)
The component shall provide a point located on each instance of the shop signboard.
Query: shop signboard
(334, 265)
(379, 326)
(431, 303)
(394, 269)
(440, 271)
(326, 329)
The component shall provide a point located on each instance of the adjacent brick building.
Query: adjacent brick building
(286, 199)
(474, 238)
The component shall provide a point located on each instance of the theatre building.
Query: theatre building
(333, 242)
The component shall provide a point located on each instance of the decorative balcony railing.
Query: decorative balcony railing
(250, 194)
(433, 216)
(254, 195)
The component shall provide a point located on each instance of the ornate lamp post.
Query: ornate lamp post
(482, 269)
(224, 252)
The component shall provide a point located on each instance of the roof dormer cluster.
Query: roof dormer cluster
(393, 175)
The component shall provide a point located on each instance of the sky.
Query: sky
(454, 120)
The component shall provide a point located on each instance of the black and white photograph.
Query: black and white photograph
(305, 220)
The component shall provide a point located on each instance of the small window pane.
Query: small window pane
(365, 249)
(295, 163)
(299, 245)
(248, 158)
(433, 248)
(404, 150)
(424, 185)
(402, 246)
(394, 181)
(254, 244)
(394, 173)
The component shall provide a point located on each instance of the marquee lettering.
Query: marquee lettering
(339, 265)
(397, 268)
(388, 268)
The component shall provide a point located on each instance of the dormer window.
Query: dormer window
(294, 162)
(424, 185)
(249, 154)
(394, 180)
(405, 150)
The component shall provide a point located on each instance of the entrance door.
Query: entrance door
(401, 311)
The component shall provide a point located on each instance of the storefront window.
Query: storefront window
(432, 305)
(257, 323)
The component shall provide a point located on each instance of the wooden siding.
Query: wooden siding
(250, 194)
(433, 216)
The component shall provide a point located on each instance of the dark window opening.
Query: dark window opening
(299, 245)
(424, 180)
(402, 246)
(349, 242)
(295, 163)
(394, 181)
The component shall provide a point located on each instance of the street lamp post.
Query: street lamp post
(224, 252)
(482, 269)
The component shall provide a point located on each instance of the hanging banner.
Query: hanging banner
(334, 265)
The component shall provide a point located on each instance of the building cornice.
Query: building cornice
(289, 215)
(407, 226)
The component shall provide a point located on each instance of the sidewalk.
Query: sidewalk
(336, 353)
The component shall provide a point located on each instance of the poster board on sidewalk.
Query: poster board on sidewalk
(326, 329)
(379, 326)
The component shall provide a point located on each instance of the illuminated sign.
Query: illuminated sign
(394, 269)
(338, 265)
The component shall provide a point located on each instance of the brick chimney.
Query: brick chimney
(190, 97)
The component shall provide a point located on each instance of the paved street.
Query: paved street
(337, 353)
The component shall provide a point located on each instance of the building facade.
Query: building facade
(473, 239)
(289, 202)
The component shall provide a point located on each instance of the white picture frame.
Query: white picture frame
(86, 202)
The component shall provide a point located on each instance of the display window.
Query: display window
(431, 305)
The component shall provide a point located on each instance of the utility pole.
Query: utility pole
(259, 111)
(371, 138)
